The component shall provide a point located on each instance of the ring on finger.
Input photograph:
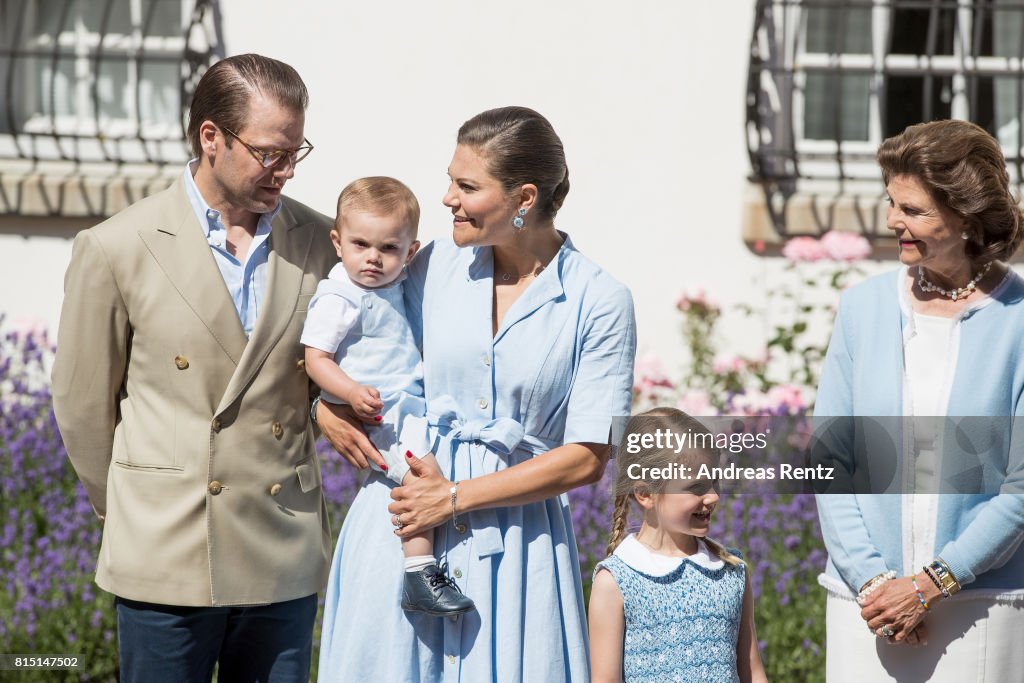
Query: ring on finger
(886, 631)
(397, 521)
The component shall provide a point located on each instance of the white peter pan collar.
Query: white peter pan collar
(643, 559)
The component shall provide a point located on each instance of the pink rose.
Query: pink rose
(648, 374)
(725, 363)
(695, 402)
(784, 399)
(787, 397)
(845, 246)
(803, 249)
(697, 299)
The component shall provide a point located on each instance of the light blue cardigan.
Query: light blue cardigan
(979, 536)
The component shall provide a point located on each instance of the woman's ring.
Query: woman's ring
(886, 631)
(397, 521)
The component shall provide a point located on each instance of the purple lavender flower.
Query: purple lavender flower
(49, 536)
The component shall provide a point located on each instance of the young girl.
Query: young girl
(669, 604)
(360, 351)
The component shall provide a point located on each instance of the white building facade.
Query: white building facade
(678, 118)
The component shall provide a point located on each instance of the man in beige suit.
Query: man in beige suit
(182, 399)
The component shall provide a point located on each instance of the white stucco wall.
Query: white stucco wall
(32, 278)
(647, 96)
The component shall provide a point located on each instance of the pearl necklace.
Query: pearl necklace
(954, 294)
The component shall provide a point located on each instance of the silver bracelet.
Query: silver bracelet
(312, 410)
(460, 527)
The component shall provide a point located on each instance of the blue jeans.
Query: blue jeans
(166, 643)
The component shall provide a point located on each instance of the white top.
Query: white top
(643, 559)
(926, 358)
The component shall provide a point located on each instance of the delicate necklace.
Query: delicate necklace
(508, 276)
(954, 294)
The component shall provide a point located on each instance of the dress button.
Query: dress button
(482, 403)
(369, 304)
(216, 424)
(487, 360)
(276, 429)
(214, 488)
(181, 362)
(451, 659)
(458, 573)
(275, 489)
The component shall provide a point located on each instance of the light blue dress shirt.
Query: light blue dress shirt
(246, 280)
(557, 371)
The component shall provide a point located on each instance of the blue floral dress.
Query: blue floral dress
(557, 371)
(682, 622)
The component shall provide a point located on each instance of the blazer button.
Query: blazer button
(216, 424)
(181, 362)
(482, 403)
(214, 488)
(300, 363)
(275, 489)
(277, 430)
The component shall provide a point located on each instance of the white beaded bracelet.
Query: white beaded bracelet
(874, 584)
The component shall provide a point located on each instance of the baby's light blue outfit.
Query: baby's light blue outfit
(557, 371)
(682, 623)
(372, 342)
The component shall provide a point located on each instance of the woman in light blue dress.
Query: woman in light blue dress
(528, 353)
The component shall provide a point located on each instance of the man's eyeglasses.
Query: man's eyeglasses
(272, 158)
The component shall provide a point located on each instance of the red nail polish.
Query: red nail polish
(378, 418)
(409, 454)
(384, 467)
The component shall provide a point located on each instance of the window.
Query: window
(831, 79)
(100, 80)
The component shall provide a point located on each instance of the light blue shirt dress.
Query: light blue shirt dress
(557, 371)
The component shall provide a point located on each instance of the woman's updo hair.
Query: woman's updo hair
(963, 169)
(521, 147)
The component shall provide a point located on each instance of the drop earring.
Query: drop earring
(518, 223)
(964, 235)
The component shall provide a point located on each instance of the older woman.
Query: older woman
(528, 353)
(941, 336)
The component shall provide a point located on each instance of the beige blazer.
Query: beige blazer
(193, 443)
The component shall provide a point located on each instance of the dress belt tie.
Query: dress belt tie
(490, 442)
